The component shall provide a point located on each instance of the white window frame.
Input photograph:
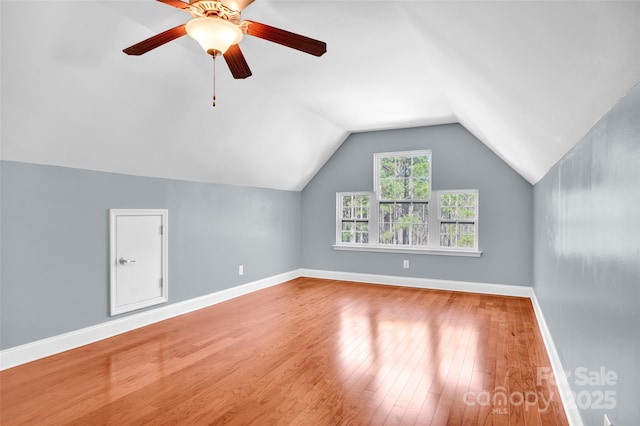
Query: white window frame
(433, 223)
(376, 164)
(373, 213)
(475, 222)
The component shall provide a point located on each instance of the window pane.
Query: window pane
(457, 235)
(421, 189)
(404, 177)
(448, 213)
(362, 232)
(466, 241)
(419, 235)
(467, 199)
(387, 189)
(466, 229)
(448, 234)
(386, 212)
(352, 231)
(349, 234)
(398, 189)
(362, 200)
(458, 206)
(471, 199)
(404, 166)
(421, 165)
(447, 206)
(421, 211)
(403, 223)
(387, 167)
(346, 206)
(400, 211)
(467, 212)
(447, 200)
(386, 233)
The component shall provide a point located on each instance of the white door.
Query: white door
(138, 259)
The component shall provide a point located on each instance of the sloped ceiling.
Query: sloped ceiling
(529, 79)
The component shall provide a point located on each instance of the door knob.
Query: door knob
(124, 261)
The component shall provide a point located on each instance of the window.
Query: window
(354, 212)
(404, 214)
(403, 189)
(457, 213)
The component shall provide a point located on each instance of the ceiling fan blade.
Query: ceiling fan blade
(236, 4)
(156, 41)
(236, 62)
(176, 3)
(286, 38)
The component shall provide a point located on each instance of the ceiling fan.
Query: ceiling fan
(217, 27)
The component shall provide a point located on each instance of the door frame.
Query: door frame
(164, 297)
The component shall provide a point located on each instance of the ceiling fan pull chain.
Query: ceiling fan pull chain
(214, 79)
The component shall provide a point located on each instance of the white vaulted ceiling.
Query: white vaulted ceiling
(528, 79)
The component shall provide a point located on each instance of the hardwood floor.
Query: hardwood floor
(308, 351)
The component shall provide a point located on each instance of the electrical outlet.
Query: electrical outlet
(607, 422)
(405, 264)
(241, 270)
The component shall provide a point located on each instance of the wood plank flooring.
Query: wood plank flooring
(306, 352)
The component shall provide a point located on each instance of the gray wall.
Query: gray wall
(55, 242)
(587, 258)
(460, 161)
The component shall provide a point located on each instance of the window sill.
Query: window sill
(410, 250)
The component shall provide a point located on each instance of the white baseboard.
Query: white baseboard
(22, 354)
(562, 381)
(470, 287)
(50, 346)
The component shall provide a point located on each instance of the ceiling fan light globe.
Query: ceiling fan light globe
(214, 34)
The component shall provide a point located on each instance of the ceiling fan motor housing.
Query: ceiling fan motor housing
(207, 8)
